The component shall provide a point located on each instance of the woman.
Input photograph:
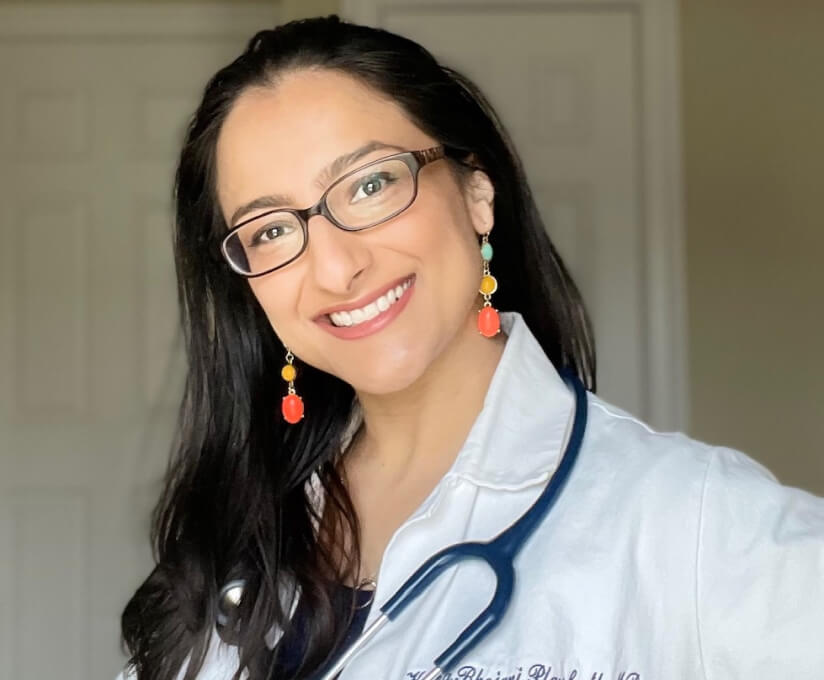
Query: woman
(409, 415)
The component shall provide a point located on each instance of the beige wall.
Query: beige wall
(754, 160)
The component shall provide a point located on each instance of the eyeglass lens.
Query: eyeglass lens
(365, 198)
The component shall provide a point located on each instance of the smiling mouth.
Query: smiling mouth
(355, 317)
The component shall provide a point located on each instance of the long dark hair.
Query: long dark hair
(237, 501)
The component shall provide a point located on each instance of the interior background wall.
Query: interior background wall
(753, 105)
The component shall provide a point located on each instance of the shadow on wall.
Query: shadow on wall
(753, 105)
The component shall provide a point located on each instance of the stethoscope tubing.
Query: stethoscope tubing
(499, 553)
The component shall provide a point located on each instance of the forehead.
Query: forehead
(276, 139)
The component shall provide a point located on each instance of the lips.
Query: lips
(370, 313)
(365, 300)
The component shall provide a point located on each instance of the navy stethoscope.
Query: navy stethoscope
(499, 553)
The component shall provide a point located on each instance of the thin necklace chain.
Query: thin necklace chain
(371, 583)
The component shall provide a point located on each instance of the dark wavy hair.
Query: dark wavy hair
(236, 501)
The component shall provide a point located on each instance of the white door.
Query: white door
(588, 91)
(93, 103)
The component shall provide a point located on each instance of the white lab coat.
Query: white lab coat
(664, 558)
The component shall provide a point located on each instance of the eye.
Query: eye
(371, 185)
(270, 233)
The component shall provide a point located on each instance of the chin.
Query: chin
(386, 377)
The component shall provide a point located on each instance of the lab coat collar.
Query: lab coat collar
(517, 438)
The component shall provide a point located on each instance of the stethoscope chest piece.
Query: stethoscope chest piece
(228, 601)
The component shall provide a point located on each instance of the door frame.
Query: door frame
(666, 358)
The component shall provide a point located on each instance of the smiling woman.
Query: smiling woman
(346, 207)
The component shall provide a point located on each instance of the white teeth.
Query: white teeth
(370, 311)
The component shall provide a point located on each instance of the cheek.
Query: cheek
(456, 250)
(274, 297)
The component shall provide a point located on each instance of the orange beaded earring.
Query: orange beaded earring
(489, 323)
(292, 406)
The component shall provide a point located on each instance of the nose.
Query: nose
(337, 258)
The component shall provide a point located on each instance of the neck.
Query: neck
(424, 425)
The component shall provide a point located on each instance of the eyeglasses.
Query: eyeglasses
(362, 198)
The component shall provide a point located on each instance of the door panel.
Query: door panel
(93, 109)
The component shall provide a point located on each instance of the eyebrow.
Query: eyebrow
(331, 171)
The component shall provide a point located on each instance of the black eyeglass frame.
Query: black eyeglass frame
(414, 160)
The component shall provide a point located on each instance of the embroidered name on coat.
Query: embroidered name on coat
(536, 671)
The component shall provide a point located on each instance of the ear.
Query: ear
(480, 201)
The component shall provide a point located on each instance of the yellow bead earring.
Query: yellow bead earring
(292, 406)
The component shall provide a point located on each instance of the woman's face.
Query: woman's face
(280, 140)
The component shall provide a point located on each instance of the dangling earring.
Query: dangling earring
(292, 406)
(489, 323)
